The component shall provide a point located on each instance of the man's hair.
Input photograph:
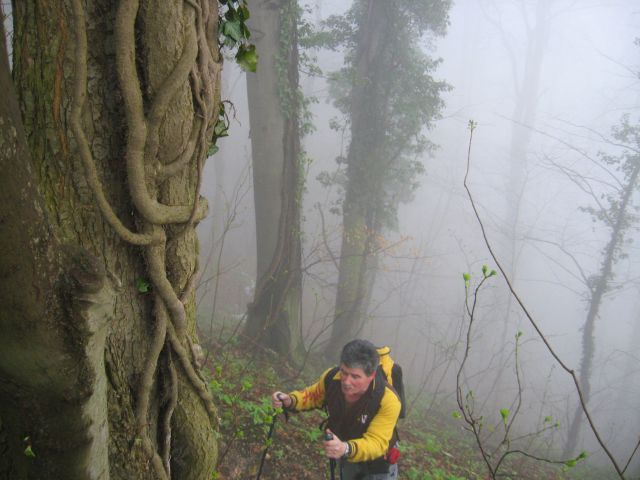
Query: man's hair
(360, 354)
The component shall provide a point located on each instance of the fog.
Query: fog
(582, 81)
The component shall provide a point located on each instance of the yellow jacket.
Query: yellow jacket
(375, 441)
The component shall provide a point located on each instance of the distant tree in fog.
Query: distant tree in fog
(275, 103)
(526, 64)
(615, 210)
(387, 96)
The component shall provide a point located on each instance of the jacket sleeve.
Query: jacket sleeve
(311, 397)
(375, 441)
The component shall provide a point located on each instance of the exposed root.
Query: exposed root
(172, 400)
(196, 382)
(146, 384)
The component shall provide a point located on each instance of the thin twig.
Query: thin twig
(533, 323)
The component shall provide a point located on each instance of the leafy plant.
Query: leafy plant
(234, 33)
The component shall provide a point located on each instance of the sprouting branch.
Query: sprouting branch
(530, 318)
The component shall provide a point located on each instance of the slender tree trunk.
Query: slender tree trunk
(527, 93)
(274, 315)
(597, 293)
(527, 88)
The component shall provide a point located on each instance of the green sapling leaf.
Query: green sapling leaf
(484, 270)
(456, 415)
(504, 412)
(29, 452)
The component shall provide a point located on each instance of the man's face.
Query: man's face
(354, 382)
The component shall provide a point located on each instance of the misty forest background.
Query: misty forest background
(456, 180)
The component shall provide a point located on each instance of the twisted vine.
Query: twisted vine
(145, 172)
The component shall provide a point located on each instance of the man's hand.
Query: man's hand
(334, 448)
(281, 400)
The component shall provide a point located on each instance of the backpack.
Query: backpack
(393, 373)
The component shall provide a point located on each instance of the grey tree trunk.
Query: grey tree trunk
(274, 315)
(360, 225)
(527, 93)
(117, 100)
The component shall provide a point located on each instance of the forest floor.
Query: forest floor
(434, 446)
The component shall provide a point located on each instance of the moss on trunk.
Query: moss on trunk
(74, 372)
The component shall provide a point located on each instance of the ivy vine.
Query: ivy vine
(234, 33)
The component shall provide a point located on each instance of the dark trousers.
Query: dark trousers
(358, 471)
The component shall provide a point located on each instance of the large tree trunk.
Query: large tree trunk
(53, 319)
(97, 373)
(274, 315)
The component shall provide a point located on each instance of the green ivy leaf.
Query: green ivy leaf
(232, 15)
(232, 30)
(29, 452)
(213, 149)
(221, 129)
(246, 33)
(142, 285)
(247, 58)
(243, 11)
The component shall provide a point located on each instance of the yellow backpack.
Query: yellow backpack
(393, 373)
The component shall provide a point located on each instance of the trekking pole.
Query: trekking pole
(332, 462)
(270, 434)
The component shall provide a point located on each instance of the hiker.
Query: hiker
(363, 411)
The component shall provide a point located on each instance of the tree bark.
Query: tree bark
(274, 108)
(55, 309)
(79, 318)
(360, 225)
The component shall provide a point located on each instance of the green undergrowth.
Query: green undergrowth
(242, 378)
